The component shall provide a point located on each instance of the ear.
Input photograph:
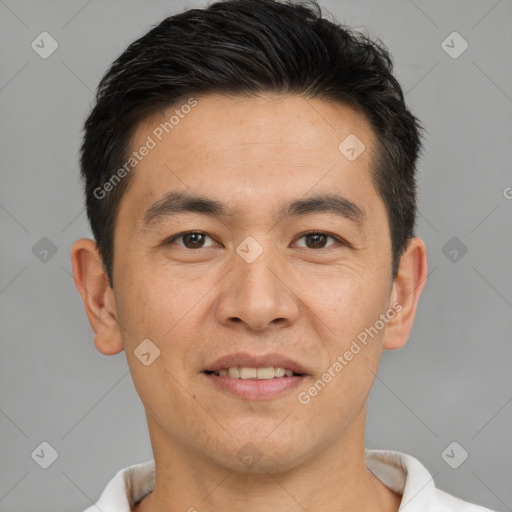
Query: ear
(407, 287)
(92, 282)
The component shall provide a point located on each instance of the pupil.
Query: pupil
(318, 239)
(195, 239)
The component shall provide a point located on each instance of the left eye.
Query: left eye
(317, 240)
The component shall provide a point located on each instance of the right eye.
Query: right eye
(190, 239)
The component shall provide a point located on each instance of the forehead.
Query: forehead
(257, 148)
(217, 122)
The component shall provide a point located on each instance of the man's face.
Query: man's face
(253, 281)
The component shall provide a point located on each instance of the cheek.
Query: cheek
(171, 313)
(152, 304)
(150, 310)
(350, 307)
(349, 302)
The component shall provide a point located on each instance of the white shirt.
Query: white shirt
(400, 472)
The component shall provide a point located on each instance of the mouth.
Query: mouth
(255, 377)
(245, 372)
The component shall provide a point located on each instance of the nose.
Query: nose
(257, 295)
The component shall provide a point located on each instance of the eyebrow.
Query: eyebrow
(175, 203)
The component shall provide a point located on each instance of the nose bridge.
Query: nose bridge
(255, 292)
(258, 279)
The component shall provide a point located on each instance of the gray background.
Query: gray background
(452, 382)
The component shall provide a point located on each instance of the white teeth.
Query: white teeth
(254, 373)
(234, 373)
(266, 373)
(248, 373)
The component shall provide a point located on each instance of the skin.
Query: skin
(305, 302)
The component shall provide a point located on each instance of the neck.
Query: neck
(335, 478)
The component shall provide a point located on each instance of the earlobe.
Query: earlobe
(92, 283)
(407, 288)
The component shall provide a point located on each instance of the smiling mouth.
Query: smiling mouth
(247, 373)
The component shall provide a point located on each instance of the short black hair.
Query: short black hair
(250, 47)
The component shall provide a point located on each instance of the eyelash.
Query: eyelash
(339, 240)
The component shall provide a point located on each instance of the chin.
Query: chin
(264, 453)
(262, 463)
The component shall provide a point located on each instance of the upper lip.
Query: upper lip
(255, 361)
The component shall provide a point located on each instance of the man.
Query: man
(250, 183)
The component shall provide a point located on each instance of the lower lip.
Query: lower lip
(255, 389)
